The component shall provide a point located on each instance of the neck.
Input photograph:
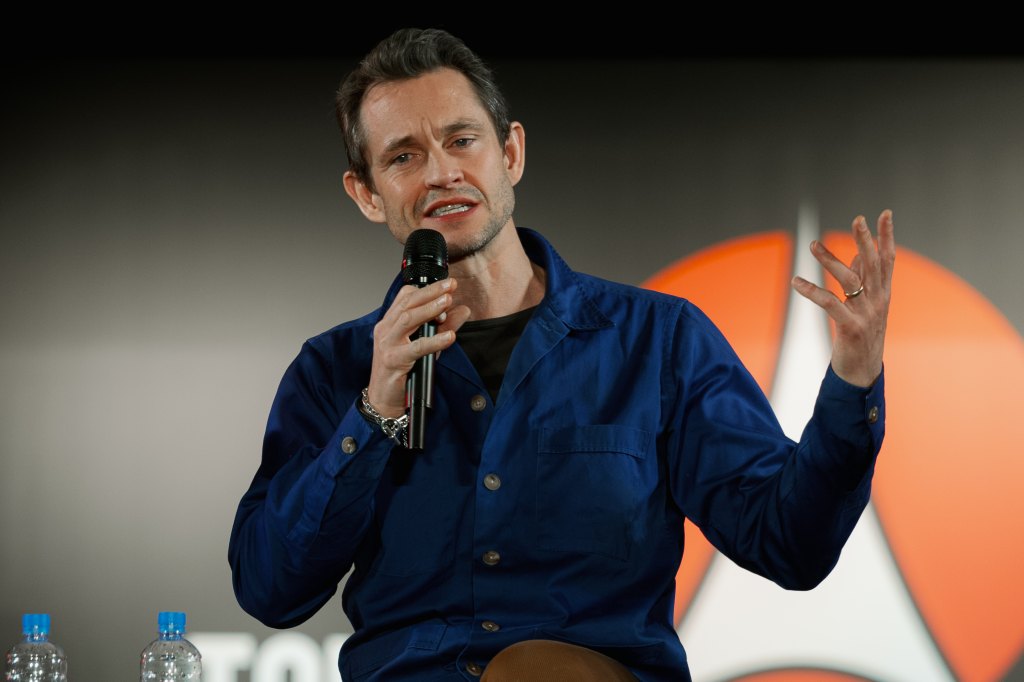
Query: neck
(499, 280)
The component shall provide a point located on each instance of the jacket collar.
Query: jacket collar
(565, 294)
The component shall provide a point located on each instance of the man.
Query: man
(576, 422)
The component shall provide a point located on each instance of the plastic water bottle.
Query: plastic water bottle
(35, 658)
(170, 657)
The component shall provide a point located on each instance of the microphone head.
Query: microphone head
(426, 257)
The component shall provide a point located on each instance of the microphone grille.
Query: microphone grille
(426, 257)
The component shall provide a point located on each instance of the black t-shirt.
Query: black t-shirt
(489, 344)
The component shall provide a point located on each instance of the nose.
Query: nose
(443, 170)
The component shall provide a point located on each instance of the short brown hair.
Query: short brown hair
(408, 53)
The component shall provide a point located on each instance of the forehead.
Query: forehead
(426, 104)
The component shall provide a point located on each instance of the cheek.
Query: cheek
(396, 196)
(396, 212)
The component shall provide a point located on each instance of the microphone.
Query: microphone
(424, 262)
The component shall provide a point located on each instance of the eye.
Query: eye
(463, 142)
(401, 159)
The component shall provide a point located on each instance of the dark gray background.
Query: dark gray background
(174, 228)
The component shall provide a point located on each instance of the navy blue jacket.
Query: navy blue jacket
(556, 512)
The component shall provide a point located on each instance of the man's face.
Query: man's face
(436, 162)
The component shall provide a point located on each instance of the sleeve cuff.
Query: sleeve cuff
(854, 407)
(358, 449)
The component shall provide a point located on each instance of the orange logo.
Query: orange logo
(931, 586)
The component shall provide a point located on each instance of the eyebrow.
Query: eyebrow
(464, 124)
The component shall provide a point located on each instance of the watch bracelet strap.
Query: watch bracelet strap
(393, 427)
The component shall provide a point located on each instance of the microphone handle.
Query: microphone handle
(418, 390)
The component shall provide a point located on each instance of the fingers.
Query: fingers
(867, 277)
(454, 319)
(872, 266)
(415, 306)
(877, 257)
(860, 319)
(394, 352)
(867, 253)
(823, 298)
(849, 278)
(886, 247)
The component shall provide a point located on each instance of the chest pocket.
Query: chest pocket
(592, 485)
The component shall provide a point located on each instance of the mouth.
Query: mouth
(450, 209)
(447, 209)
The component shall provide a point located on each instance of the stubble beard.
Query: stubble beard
(505, 202)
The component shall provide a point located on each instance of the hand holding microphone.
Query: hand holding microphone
(424, 262)
(420, 323)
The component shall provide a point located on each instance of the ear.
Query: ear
(368, 201)
(515, 152)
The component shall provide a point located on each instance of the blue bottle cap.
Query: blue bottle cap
(35, 624)
(171, 621)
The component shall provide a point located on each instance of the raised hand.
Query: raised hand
(860, 318)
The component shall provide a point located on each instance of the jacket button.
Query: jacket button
(474, 669)
(478, 403)
(348, 445)
(492, 482)
(490, 626)
(491, 558)
(873, 415)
